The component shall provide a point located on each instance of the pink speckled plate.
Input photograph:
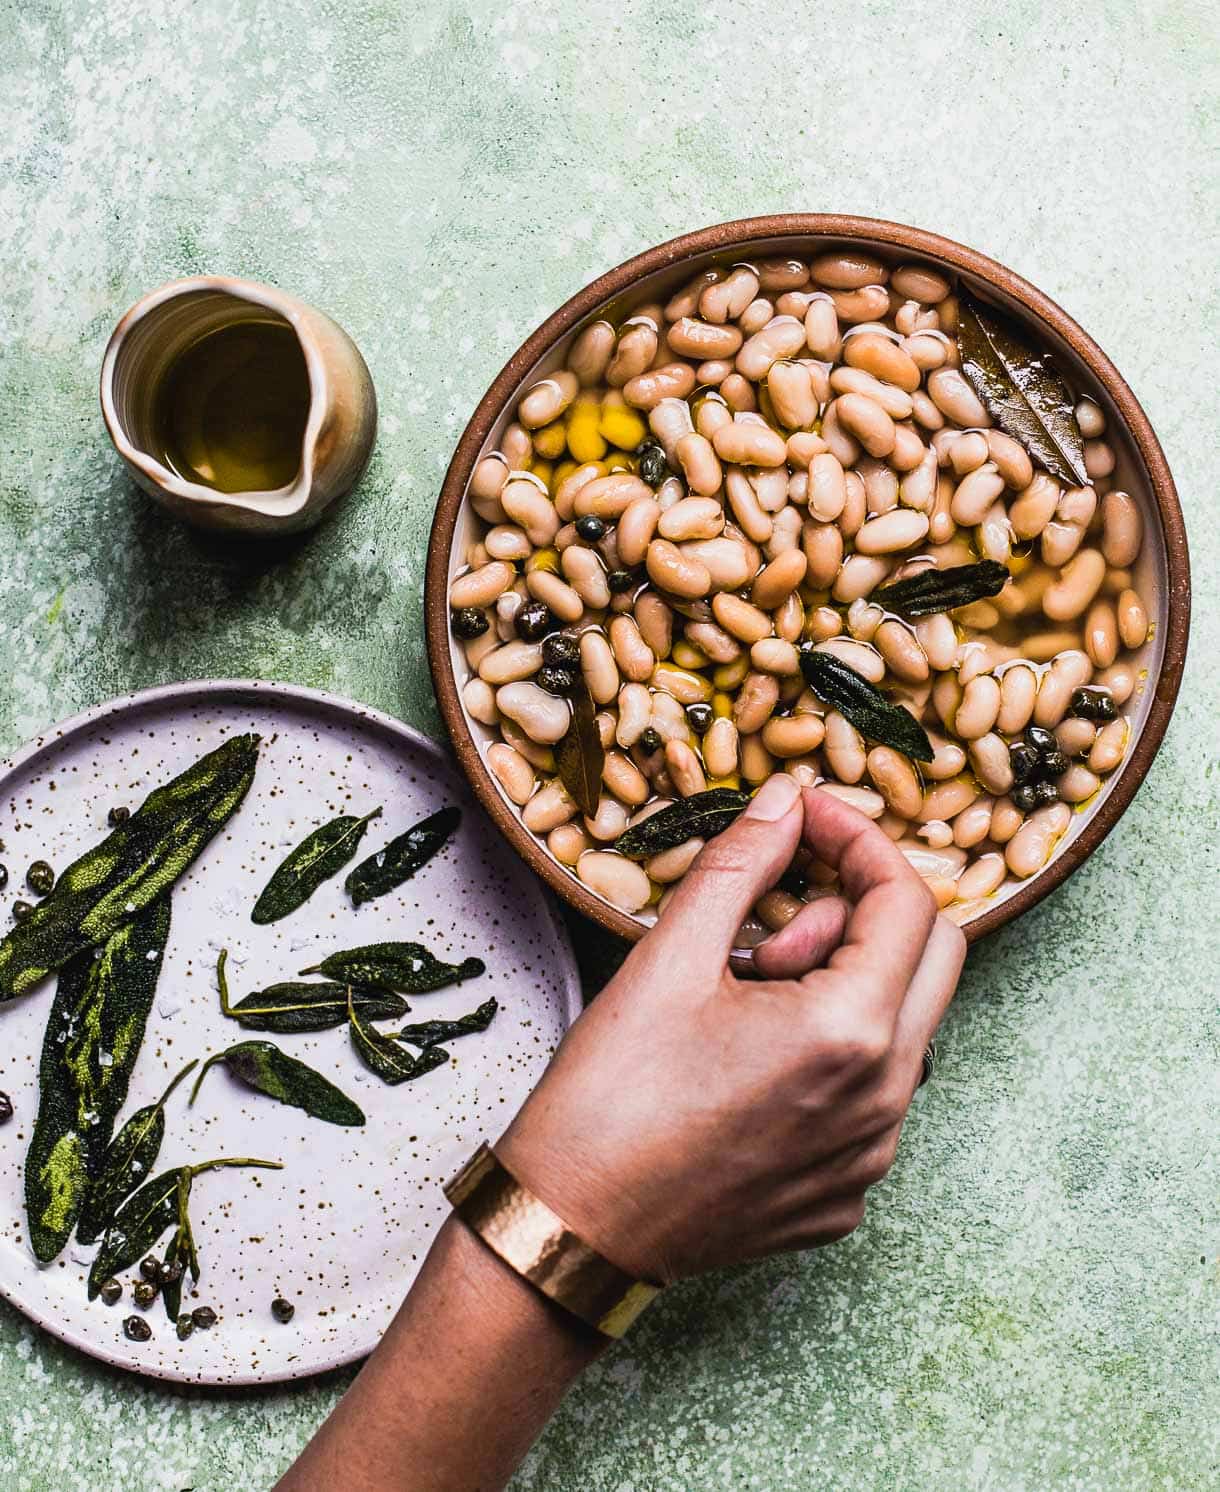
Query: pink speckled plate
(343, 1228)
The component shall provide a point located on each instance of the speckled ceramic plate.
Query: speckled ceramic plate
(341, 1230)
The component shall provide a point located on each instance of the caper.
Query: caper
(1040, 738)
(184, 1326)
(283, 1310)
(204, 1317)
(700, 717)
(469, 622)
(6, 1108)
(1023, 760)
(1045, 792)
(1093, 704)
(534, 620)
(1025, 797)
(3, 876)
(653, 466)
(145, 1293)
(119, 814)
(561, 650)
(1052, 764)
(150, 1268)
(40, 877)
(556, 680)
(21, 910)
(111, 1291)
(169, 1273)
(589, 526)
(620, 581)
(136, 1329)
(650, 740)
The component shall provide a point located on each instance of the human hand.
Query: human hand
(691, 1119)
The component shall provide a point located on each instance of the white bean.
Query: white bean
(619, 880)
(1033, 844)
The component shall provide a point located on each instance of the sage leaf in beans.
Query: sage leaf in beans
(402, 857)
(383, 1055)
(89, 1049)
(930, 591)
(318, 857)
(133, 866)
(1024, 392)
(580, 755)
(142, 1220)
(262, 1066)
(128, 1161)
(701, 816)
(405, 967)
(432, 1033)
(863, 704)
(297, 1006)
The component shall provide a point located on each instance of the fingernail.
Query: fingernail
(774, 798)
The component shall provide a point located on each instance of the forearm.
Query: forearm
(470, 1370)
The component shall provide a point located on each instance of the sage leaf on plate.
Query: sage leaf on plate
(1024, 392)
(181, 1254)
(89, 1049)
(388, 868)
(930, 591)
(407, 968)
(128, 1161)
(382, 1055)
(701, 816)
(139, 1224)
(293, 1007)
(134, 865)
(863, 704)
(580, 755)
(318, 857)
(432, 1033)
(262, 1066)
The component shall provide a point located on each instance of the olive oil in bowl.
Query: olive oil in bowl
(232, 409)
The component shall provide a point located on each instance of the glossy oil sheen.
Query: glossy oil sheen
(232, 410)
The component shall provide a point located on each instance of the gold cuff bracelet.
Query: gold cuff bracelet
(539, 1245)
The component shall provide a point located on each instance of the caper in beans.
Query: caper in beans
(707, 487)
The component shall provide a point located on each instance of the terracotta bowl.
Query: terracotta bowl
(1163, 568)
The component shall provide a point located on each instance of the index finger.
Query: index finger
(892, 910)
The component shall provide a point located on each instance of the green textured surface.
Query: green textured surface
(1034, 1300)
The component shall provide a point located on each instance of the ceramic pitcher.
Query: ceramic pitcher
(339, 428)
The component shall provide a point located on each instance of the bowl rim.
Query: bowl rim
(727, 236)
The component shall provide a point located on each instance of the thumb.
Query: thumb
(733, 870)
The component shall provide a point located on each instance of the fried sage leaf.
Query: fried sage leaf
(1025, 393)
(128, 1161)
(181, 1254)
(402, 857)
(262, 1066)
(383, 1055)
(318, 857)
(701, 816)
(406, 967)
(134, 865)
(143, 1218)
(931, 591)
(431, 1033)
(580, 755)
(289, 1008)
(864, 705)
(90, 1047)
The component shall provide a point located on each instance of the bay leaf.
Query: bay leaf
(1022, 388)
(580, 755)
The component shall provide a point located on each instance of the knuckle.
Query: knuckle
(844, 1220)
(726, 855)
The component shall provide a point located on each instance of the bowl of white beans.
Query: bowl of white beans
(757, 502)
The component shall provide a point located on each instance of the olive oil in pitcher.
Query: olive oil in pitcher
(231, 412)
